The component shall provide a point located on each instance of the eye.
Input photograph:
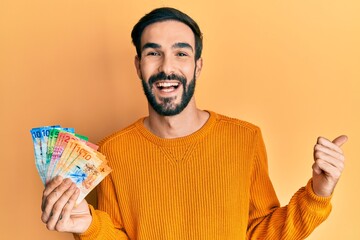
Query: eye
(182, 54)
(153, 54)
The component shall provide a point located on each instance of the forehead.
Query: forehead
(168, 32)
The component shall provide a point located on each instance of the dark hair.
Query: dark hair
(164, 14)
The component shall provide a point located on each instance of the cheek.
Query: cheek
(148, 69)
(188, 71)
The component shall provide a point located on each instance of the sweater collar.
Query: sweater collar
(181, 140)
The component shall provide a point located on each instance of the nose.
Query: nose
(167, 65)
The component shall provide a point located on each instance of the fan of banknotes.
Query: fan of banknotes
(61, 152)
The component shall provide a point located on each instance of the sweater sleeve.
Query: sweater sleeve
(267, 220)
(106, 223)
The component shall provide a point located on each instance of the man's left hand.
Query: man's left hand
(329, 164)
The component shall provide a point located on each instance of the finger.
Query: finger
(337, 163)
(319, 149)
(50, 187)
(62, 224)
(52, 198)
(327, 143)
(327, 168)
(339, 141)
(59, 206)
(316, 168)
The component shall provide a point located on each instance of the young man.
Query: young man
(185, 173)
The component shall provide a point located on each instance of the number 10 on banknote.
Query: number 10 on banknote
(61, 152)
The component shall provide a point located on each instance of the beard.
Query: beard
(166, 106)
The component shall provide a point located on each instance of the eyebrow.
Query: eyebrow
(183, 45)
(175, 45)
(150, 45)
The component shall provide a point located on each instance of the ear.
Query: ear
(199, 64)
(137, 66)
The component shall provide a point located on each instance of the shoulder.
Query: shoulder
(120, 135)
(236, 124)
(242, 135)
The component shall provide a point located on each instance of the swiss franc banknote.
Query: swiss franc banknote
(62, 152)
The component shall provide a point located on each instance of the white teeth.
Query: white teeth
(167, 84)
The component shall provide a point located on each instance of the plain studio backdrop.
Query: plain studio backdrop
(290, 67)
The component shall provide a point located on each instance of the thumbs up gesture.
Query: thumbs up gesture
(328, 166)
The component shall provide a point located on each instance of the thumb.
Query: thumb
(339, 141)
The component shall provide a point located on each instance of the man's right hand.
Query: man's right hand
(59, 212)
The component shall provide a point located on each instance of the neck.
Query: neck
(185, 123)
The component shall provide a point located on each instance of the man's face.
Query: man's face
(167, 66)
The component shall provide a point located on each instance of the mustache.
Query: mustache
(164, 76)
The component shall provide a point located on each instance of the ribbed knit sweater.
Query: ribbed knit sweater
(212, 184)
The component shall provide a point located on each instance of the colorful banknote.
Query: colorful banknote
(62, 152)
(39, 136)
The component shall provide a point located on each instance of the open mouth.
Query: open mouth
(166, 86)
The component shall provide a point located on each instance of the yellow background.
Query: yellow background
(291, 67)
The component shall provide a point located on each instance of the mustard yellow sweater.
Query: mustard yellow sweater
(211, 185)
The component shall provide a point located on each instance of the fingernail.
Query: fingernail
(58, 178)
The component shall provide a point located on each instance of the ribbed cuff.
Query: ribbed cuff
(317, 203)
(93, 230)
